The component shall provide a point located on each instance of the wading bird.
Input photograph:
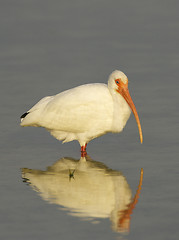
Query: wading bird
(85, 112)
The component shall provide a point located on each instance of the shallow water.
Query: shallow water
(47, 47)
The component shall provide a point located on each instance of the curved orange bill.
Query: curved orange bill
(126, 95)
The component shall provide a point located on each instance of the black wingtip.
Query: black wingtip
(24, 115)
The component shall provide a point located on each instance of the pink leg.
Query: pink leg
(83, 150)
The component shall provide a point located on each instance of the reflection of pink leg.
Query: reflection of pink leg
(124, 221)
(83, 150)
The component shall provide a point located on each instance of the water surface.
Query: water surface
(48, 47)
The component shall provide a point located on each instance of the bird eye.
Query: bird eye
(117, 81)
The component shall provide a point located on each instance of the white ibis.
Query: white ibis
(85, 112)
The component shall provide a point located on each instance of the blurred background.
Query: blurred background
(50, 46)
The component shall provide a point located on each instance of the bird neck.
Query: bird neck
(121, 112)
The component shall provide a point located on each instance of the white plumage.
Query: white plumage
(85, 112)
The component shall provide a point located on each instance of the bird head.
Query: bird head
(118, 83)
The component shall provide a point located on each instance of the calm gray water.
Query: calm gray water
(49, 46)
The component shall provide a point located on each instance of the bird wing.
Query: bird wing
(78, 109)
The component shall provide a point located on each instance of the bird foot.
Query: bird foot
(83, 154)
(83, 151)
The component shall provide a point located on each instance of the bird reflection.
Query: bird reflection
(86, 189)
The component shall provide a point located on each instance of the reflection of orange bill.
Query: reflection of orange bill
(124, 221)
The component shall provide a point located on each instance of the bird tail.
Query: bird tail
(32, 117)
(24, 115)
(29, 119)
